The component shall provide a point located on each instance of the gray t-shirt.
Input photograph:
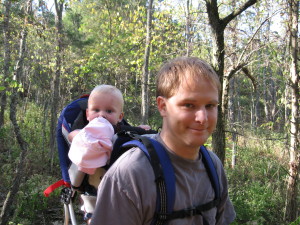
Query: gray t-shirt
(127, 193)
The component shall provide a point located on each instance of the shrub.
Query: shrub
(257, 184)
(32, 206)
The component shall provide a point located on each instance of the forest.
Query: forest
(53, 52)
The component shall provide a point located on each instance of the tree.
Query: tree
(145, 76)
(291, 208)
(218, 26)
(7, 58)
(7, 206)
(59, 6)
(188, 29)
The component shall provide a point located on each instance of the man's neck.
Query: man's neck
(180, 149)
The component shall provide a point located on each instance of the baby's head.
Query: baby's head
(105, 101)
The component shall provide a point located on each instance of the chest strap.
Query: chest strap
(188, 212)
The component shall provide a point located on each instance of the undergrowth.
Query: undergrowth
(258, 180)
(30, 206)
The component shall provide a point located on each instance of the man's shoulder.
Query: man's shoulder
(130, 160)
(216, 161)
(214, 156)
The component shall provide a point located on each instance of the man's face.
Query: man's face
(104, 105)
(189, 116)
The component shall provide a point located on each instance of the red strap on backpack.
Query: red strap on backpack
(52, 187)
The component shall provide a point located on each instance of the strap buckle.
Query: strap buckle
(162, 216)
(192, 211)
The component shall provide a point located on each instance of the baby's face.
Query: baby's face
(104, 105)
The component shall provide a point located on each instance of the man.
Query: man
(187, 99)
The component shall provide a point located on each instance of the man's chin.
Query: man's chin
(198, 141)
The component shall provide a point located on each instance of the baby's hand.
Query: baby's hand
(72, 134)
(145, 127)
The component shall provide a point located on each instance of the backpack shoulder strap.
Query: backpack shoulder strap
(211, 170)
(164, 176)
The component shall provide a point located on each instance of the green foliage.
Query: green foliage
(256, 202)
(296, 222)
(34, 121)
(257, 184)
(7, 157)
(32, 206)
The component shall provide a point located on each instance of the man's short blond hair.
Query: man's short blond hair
(173, 73)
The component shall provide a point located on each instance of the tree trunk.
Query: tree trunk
(232, 119)
(145, 99)
(56, 80)
(292, 193)
(218, 26)
(188, 29)
(7, 207)
(265, 94)
(256, 109)
(7, 59)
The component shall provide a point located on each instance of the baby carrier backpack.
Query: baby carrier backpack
(73, 181)
(73, 117)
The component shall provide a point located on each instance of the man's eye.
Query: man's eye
(96, 110)
(188, 105)
(211, 106)
(109, 111)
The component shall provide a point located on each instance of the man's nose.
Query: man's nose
(201, 115)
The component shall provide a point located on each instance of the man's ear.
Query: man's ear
(161, 105)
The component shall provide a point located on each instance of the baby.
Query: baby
(92, 145)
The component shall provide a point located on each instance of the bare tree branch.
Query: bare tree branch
(237, 12)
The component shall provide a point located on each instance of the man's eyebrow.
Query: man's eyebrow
(195, 100)
(214, 102)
